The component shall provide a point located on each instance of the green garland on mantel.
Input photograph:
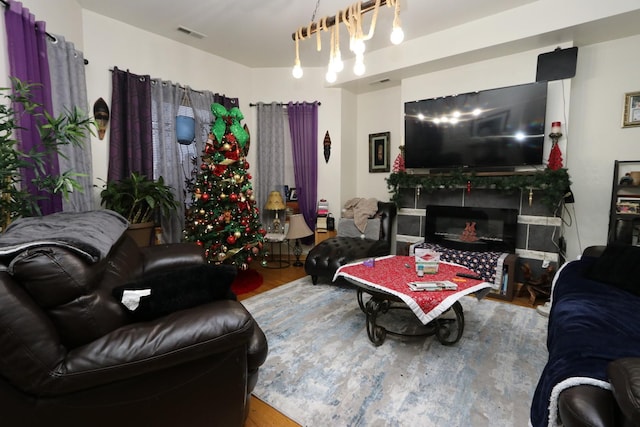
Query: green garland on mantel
(553, 183)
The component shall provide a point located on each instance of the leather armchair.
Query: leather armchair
(325, 258)
(591, 406)
(70, 355)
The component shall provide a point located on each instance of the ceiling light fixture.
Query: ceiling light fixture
(352, 19)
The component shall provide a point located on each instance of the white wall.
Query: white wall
(277, 85)
(378, 112)
(109, 43)
(605, 72)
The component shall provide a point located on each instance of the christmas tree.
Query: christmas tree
(223, 217)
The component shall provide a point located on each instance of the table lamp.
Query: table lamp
(275, 203)
(297, 230)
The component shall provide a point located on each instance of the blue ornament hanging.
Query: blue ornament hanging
(185, 122)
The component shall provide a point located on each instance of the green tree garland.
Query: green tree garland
(553, 183)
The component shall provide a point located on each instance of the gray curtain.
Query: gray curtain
(172, 160)
(69, 90)
(270, 156)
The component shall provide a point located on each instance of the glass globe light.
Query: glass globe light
(397, 35)
(297, 71)
(359, 68)
(337, 65)
(358, 47)
(330, 76)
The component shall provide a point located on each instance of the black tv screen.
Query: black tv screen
(494, 129)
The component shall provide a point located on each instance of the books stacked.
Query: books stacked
(322, 212)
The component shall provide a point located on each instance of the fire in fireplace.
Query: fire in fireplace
(472, 228)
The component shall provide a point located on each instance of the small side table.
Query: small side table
(324, 235)
(279, 240)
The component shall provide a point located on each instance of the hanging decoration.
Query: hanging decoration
(398, 163)
(185, 122)
(246, 146)
(555, 156)
(530, 197)
(327, 147)
(352, 18)
(101, 114)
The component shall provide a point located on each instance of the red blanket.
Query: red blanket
(392, 274)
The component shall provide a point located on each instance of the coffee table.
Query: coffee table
(386, 283)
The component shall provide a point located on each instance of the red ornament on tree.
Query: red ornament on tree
(231, 239)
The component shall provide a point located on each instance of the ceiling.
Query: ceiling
(257, 33)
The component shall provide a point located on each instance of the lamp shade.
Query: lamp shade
(298, 228)
(274, 202)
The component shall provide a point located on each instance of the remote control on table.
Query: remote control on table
(469, 276)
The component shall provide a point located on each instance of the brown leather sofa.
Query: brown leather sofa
(71, 356)
(325, 258)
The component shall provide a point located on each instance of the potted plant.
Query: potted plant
(67, 129)
(141, 201)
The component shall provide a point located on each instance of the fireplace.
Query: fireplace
(472, 228)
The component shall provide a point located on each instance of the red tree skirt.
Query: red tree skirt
(246, 281)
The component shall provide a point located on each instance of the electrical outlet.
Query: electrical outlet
(545, 263)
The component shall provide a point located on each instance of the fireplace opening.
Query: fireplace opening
(472, 228)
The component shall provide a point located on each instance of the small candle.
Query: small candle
(555, 127)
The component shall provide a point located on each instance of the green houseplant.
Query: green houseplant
(141, 201)
(67, 129)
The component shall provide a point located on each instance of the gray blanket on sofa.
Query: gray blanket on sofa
(91, 234)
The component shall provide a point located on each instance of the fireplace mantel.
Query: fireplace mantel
(555, 183)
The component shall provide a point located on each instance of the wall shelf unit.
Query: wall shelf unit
(624, 211)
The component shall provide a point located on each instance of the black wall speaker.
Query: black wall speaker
(557, 65)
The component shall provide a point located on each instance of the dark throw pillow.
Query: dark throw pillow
(619, 265)
(163, 293)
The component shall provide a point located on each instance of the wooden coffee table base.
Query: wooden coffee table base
(448, 327)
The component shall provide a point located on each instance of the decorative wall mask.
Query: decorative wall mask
(101, 114)
(327, 147)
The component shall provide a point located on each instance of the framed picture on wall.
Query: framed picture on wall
(293, 195)
(631, 110)
(379, 152)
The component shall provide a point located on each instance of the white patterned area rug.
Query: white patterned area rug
(322, 370)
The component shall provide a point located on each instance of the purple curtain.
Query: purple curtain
(303, 124)
(28, 61)
(131, 139)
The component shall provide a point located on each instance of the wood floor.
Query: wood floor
(263, 415)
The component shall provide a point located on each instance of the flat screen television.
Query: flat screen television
(495, 129)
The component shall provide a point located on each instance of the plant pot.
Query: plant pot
(141, 233)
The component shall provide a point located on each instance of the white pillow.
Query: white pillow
(347, 228)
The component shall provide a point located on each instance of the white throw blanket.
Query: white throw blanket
(360, 210)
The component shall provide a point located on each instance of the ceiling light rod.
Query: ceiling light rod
(366, 6)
